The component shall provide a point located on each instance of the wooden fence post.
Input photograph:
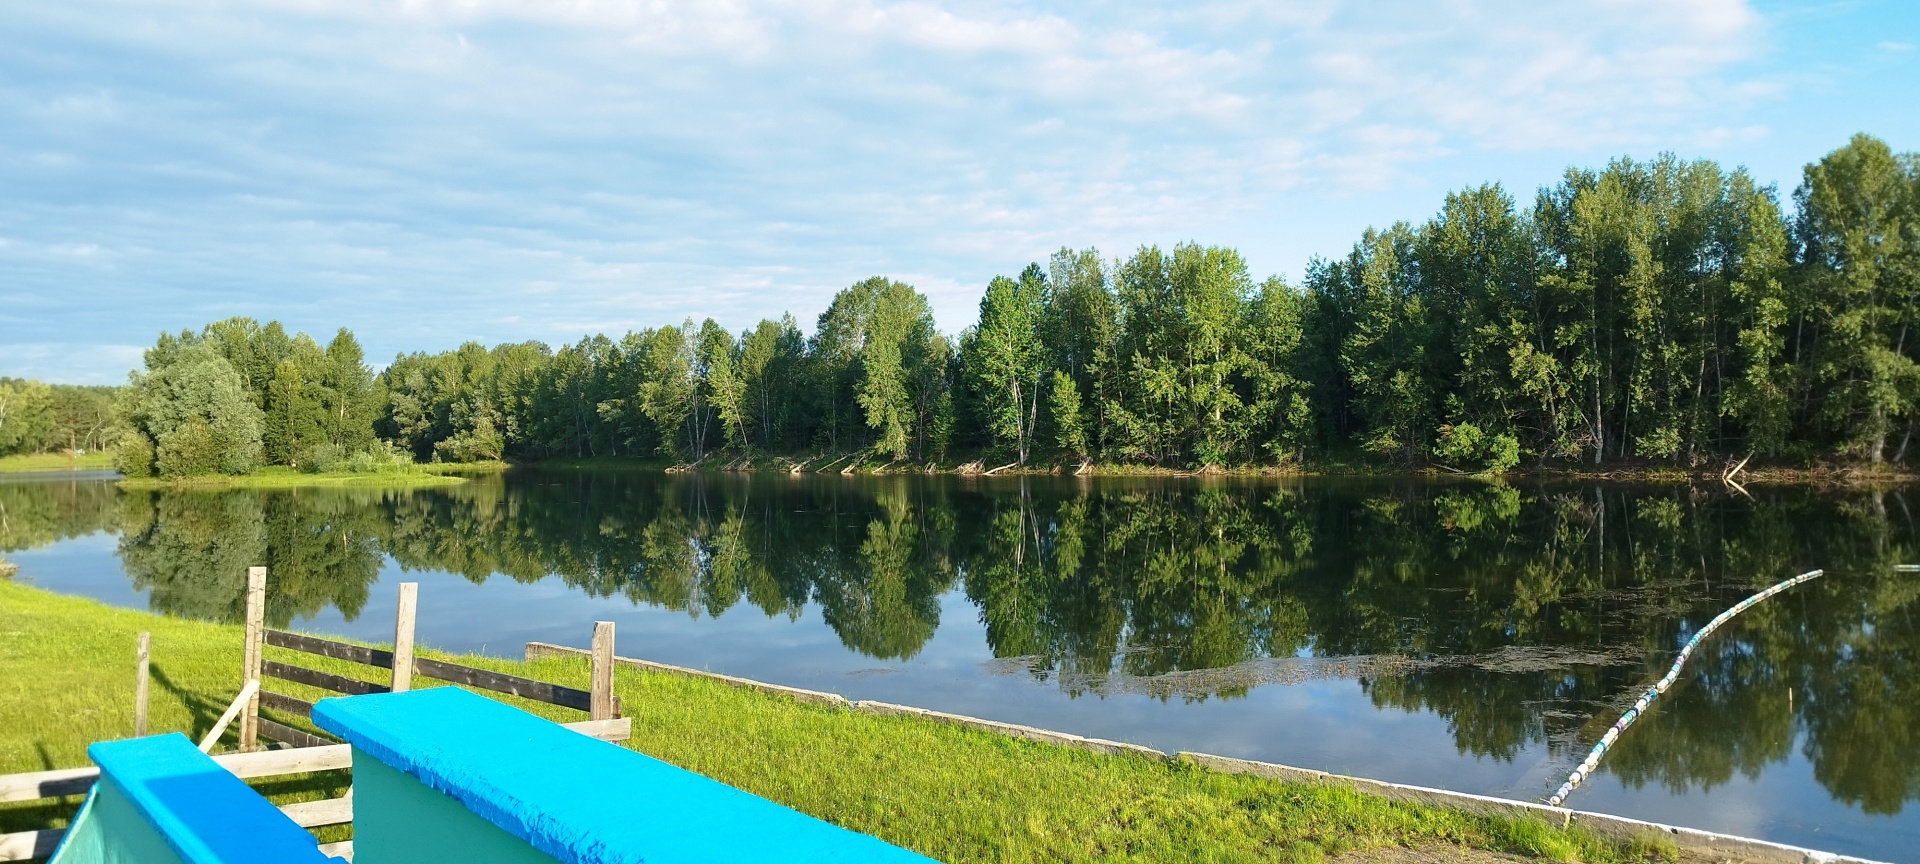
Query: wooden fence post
(403, 636)
(140, 687)
(250, 655)
(602, 687)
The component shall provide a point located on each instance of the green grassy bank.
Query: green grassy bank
(956, 794)
(24, 463)
(279, 477)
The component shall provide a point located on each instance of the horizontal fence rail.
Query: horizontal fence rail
(305, 751)
(61, 783)
(454, 673)
(322, 680)
(287, 704)
(288, 735)
(499, 682)
(375, 657)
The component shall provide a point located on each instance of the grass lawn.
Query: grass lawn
(282, 477)
(955, 794)
(94, 461)
(493, 467)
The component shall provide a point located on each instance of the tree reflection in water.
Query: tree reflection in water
(1523, 615)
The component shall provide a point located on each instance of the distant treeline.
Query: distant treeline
(238, 395)
(1664, 311)
(40, 418)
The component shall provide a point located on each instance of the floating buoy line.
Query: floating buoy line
(1585, 770)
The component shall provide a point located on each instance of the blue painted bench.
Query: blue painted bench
(442, 775)
(162, 801)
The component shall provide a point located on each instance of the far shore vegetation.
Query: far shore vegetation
(27, 463)
(1654, 319)
(276, 477)
(955, 794)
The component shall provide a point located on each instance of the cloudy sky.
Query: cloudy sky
(429, 172)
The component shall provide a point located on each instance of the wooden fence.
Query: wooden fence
(300, 752)
(401, 666)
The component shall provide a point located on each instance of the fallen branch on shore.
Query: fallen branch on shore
(1727, 476)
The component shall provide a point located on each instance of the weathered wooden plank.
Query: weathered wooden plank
(46, 784)
(248, 696)
(403, 614)
(264, 763)
(274, 763)
(322, 680)
(28, 845)
(288, 704)
(250, 652)
(617, 729)
(342, 850)
(290, 735)
(601, 690)
(327, 811)
(526, 688)
(379, 658)
(140, 654)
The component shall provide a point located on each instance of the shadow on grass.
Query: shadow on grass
(202, 710)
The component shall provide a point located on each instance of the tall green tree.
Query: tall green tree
(770, 361)
(191, 412)
(1006, 360)
(294, 422)
(1082, 324)
(1379, 344)
(670, 388)
(889, 364)
(932, 367)
(725, 389)
(26, 416)
(347, 393)
(1064, 408)
(81, 418)
(835, 363)
(1856, 329)
(1271, 345)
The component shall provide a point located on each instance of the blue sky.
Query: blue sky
(432, 171)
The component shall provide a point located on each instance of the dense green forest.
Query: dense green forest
(1666, 312)
(36, 417)
(239, 395)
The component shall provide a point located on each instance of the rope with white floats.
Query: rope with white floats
(1585, 770)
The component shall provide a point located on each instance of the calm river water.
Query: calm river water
(1466, 635)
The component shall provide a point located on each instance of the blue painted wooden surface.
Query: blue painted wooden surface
(400, 820)
(577, 799)
(161, 800)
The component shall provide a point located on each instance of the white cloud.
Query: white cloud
(464, 162)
